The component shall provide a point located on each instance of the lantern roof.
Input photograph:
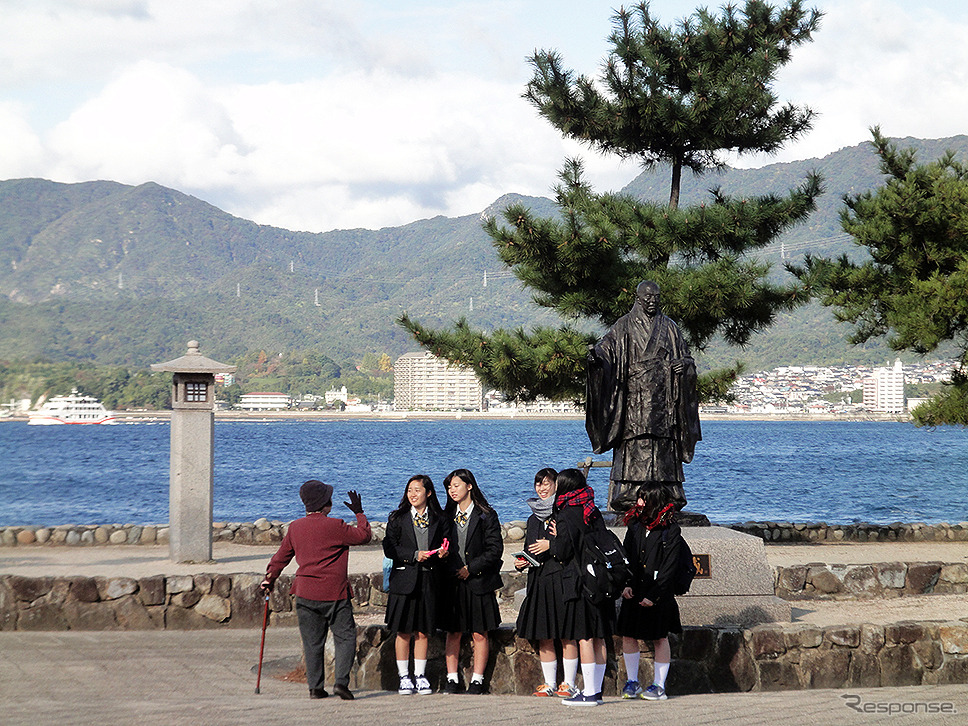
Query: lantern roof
(193, 362)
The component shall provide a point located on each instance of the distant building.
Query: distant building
(884, 389)
(264, 401)
(424, 382)
(225, 379)
(334, 395)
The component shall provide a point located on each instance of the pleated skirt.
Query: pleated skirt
(542, 613)
(468, 611)
(416, 612)
(649, 623)
(583, 620)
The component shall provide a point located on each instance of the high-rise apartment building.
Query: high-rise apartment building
(424, 382)
(884, 390)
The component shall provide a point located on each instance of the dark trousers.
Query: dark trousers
(316, 618)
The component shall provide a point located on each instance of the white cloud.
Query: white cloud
(315, 114)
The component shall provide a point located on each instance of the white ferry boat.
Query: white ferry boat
(72, 409)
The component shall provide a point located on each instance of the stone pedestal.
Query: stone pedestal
(190, 491)
(739, 589)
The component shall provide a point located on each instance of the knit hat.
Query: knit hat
(316, 495)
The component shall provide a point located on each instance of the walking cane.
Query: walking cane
(262, 646)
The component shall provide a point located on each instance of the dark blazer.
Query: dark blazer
(484, 552)
(653, 559)
(400, 545)
(566, 546)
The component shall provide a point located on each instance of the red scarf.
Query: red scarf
(584, 498)
(663, 518)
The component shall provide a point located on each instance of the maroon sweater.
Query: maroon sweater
(320, 545)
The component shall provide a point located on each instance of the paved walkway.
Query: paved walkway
(207, 677)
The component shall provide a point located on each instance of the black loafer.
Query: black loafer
(343, 692)
(318, 693)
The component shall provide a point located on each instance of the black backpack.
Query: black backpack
(604, 566)
(685, 568)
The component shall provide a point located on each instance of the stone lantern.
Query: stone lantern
(191, 460)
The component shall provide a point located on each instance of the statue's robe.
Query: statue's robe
(637, 406)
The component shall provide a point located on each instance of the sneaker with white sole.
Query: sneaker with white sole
(544, 691)
(422, 686)
(654, 693)
(632, 689)
(406, 686)
(565, 691)
(580, 699)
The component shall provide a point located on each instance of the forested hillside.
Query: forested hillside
(121, 275)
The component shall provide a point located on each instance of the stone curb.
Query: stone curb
(268, 532)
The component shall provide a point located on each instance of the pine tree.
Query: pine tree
(680, 96)
(913, 287)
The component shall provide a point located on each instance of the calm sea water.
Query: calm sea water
(782, 471)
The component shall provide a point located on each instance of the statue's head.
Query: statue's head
(647, 297)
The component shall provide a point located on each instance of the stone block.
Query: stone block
(871, 639)
(28, 589)
(175, 584)
(929, 653)
(42, 617)
(262, 524)
(767, 642)
(777, 675)
(203, 583)
(8, 607)
(89, 616)
(152, 590)
(131, 614)
(954, 638)
(187, 599)
(954, 670)
(26, 537)
(823, 580)
(134, 534)
(247, 601)
(861, 581)
(118, 537)
(922, 577)
(792, 579)
(84, 589)
(222, 585)
(214, 608)
(803, 636)
(956, 573)
(864, 671)
(696, 643)
(102, 535)
(891, 575)
(846, 636)
(148, 535)
(899, 666)
(113, 588)
(179, 618)
(903, 633)
(825, 668)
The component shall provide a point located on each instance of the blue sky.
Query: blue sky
(315, 115)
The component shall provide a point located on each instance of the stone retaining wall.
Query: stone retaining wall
(720, 660)
(823, 532)
(819, 581)
(267, 532)
(706, 659)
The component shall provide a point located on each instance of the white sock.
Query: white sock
(661, 671)
(588, 673)
(477, 678)
(599, 676)
(571, 670)
(419, 667)
(631, 665)
(403, 668)
(452, 677)
(549, 670)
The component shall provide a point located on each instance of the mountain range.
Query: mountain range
(126, 275)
